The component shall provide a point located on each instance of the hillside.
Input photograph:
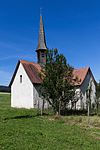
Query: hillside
(23, 129)
(4, 89)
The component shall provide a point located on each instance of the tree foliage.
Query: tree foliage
(97, 96)
(98, 90)
(57, 84)
(88, 95)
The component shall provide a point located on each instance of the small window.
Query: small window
(20, 78)
(42, 54)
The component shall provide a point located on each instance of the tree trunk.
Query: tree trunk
(59, 107)
(57, 113)
(42, 108)
(88, 109)
(88, 113)
(97, 108)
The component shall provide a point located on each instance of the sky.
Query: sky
(71, 26)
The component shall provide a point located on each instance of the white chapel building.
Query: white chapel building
(26, 82)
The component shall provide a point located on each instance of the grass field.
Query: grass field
(22, 129)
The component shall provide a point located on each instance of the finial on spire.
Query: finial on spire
(40, 11)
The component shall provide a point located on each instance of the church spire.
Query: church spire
(41, 48)
(41, 39)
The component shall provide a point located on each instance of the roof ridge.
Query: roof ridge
(28, 62)
(82, 68)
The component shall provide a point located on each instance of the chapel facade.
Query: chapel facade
(26, 82)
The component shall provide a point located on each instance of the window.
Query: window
(42, 54)
(20, 78)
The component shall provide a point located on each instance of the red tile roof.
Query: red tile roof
(79, 75)
(33, 70)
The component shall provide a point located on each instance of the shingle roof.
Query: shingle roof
(79, 75)
(41, 38)
(33, 71)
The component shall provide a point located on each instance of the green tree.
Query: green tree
(97, 96)
(88, 95)
(57, 87)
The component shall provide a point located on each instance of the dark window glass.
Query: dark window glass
(42, 54)
(20, 78)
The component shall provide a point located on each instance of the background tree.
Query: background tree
(97, 96)
(57, 87)
(89, 94)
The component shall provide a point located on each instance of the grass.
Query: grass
(22, 129)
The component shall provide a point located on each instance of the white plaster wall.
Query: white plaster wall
(93, 95)
(82, 103)
(38, 101)
(26, 95)
(22, 93)
(36, 97)
(93, 92)
(78, 103)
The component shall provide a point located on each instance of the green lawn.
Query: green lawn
(22, 129)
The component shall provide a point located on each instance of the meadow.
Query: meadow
(22, 129)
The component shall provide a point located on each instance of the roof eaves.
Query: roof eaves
(14, 74)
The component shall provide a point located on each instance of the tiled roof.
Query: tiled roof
(79, 75)
(33, 71)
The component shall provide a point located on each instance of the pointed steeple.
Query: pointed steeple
(41, 48)
(41, 39)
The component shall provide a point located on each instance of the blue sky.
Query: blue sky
(71, 26)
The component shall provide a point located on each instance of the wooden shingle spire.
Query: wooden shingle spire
(41, 48)
(41, 39)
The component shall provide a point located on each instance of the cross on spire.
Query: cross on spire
(40, 11)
